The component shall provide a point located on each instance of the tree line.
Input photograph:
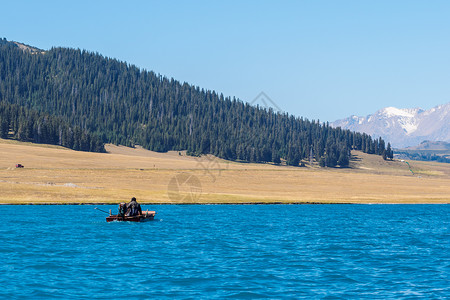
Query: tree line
(26, 125)
(125, 105)
(442, 156)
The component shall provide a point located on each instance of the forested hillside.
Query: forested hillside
(30, 126)
(125, 105)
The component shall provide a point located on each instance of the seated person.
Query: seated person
(122, 209)
(133, 208)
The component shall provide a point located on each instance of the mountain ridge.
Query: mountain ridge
(429, 146)
(404, 127)
(22, 46)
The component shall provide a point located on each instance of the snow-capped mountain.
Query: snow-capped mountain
(403, 127)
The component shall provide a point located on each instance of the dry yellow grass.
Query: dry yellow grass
(56, 175)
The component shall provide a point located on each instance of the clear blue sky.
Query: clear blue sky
(317, 59)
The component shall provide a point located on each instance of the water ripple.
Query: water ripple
(226, 251)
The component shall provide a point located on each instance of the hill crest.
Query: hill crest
(128, 106)
(430, 145)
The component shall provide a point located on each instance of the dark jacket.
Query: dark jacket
(122, 209)
(133, 208)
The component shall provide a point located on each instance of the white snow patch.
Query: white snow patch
(396, 112)
(408, 125)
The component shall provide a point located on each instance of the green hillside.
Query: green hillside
(126, 105)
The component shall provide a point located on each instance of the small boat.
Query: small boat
(147, 215)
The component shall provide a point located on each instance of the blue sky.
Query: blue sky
(317, 59)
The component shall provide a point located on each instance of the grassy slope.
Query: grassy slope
(57, 175)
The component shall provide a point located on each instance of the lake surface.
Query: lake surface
(227, 251)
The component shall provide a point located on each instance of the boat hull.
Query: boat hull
(146, 216)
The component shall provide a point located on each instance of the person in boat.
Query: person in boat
(122, 209)
(133, 208)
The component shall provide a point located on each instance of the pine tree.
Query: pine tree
(4, 128)
(275, 157)
(389, 152)
(344, 160)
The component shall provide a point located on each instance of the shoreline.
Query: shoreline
(243, 203)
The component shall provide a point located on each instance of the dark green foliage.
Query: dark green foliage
(389, 152)
(125, 105)
(293, 157)
(4, 127)
(275, 157)
(322, 161)
(3, 42)
(29, 126)
(442, 156)
(344, 156)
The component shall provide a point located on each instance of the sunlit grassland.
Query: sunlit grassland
(57, 175)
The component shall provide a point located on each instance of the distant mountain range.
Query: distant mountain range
(403, 127)
(426, 151)
(430, 146)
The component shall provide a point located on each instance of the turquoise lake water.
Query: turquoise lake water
(227, 251)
